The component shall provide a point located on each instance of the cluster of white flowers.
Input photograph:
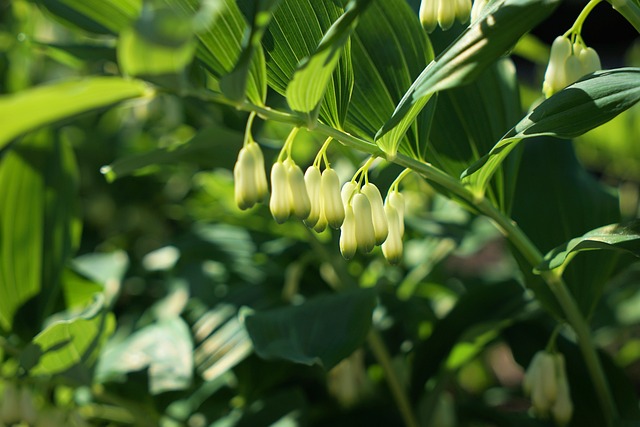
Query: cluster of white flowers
(357, 209)
(568, 62)
(443, 13)
(546, 382)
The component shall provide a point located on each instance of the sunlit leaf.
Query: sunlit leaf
(69, 342)
(306, 89)
(298, 27)
(322, 331)
(573, 111)
(500, 27)
(99, 16)
(389, 50)
(31, 109)
(620, 237)
(164, 348)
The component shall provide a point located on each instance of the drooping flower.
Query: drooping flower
(312, 179)
(546, 382)
(392, 247)
(568, 62)
(443, 13)
(298, 196)
(365, 234)
(380, 226)
(280, 203)
(348, 241)
(250, 179)
(332, 206)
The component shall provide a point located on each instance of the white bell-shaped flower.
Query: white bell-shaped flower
(443, 13)
(260, 175)
(365, 234)
(379, 218)
(299, 198)
(347, 191)
(554, 76)
(562, 409)
(245, 189)
(546, 382)
(348, 241)
(396, 199)
(392, 246)
(590, 61)
(312, 179)
(322, 224)
(332, 206)
(280, 202)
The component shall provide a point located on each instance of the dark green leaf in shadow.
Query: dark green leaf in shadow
(31, 109)
(614, 237)
(324, 330)
(482, 305)
(389, 50)
(97, 16)
(234, 84)
(165, 348)
(71, 341)
(495, 32)
(311, 79)
(573, 111)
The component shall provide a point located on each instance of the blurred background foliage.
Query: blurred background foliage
(179, 265)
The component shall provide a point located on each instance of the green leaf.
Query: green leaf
(160, 42)
(496, 31)
(556, 200)
(307, 88)
(165, 348)
(614, 237)
(575, 110)
(33, 108)
(389, 50)
(482, 305)
(69, 342)
(98, 16)
(322, 331)
(220, 29)
(297, 28)
(234, 84)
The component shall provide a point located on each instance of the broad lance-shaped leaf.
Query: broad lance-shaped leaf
(615, 237)
(573, 111)
(98, 16)
(493, 34)
(234, 84)
(306, 90)
(323, 330)
(69, 342)
(33, 108)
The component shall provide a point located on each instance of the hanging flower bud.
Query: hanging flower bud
(379, 218)
(246, 192)
(322, 223)
(392, 247)
(562, 409)
(443, 13)
(347, 190)
(332, 206)
(348, 242)
(312, 181)
(590, 61)
(260, 175)
(554, 77)
(280, 203)
(299, 198)
(396, 199)
(365, 234)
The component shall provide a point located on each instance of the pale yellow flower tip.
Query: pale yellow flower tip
(332, 206)
(299, 198)
(348, 242)
(380, 226)
(392, 247)
(280, 202)
(260, 174)
(312, 181)
(365, 234)
(245, 189)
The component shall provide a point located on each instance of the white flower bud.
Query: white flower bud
(365, 234)
(446, 14)
(572, 70)
(548, 380)
(590, 61)
(429, 14)
(332, 206)
(347, 190)
(396, 199)
(312, 181)
(280, 203)
(379, 218)
(246, 192)
(260, 175)
(463, 10)
(562, 409)
(392, 247)
(348, 242)
(298, 196)
(322, 223)
(554, 77)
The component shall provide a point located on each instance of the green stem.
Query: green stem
(576, 28)
(511, 231)
(382, 356)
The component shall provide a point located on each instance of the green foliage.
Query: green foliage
(134, 290)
